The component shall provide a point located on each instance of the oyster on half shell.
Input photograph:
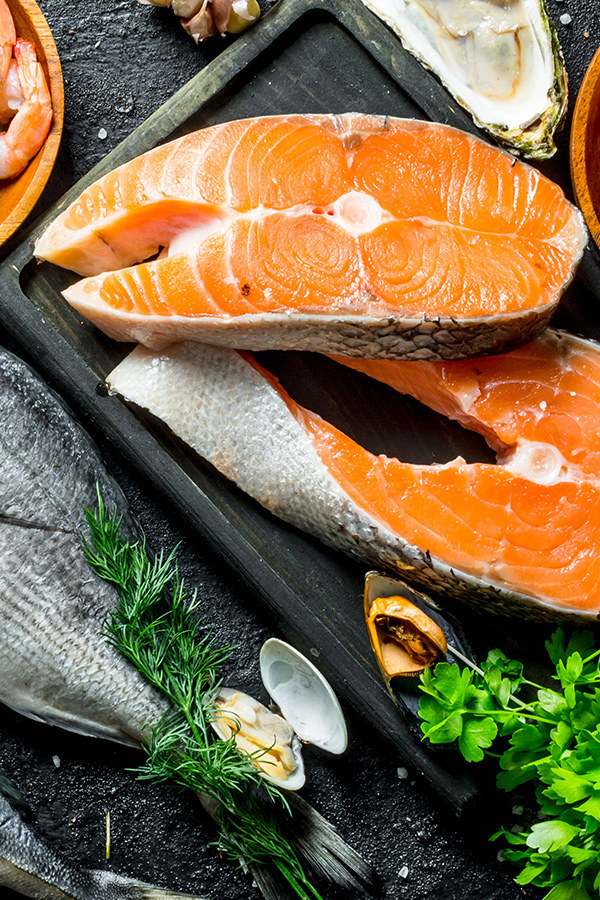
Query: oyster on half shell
(500, 59)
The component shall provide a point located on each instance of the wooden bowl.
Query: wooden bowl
(19, 195)
(585, 148)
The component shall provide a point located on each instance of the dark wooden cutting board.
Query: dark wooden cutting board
(306, 56)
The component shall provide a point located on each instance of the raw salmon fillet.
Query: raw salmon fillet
(352, 234)
(478, 531)
(543, 397)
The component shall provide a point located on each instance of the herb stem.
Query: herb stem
(158, 637)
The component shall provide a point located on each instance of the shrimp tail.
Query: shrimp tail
(7, 39)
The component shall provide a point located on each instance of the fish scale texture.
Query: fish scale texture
(218, 402)
(32, 867)
(54, 661)
(478, 531)
(354, 234)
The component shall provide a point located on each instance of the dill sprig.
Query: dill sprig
(154, 627)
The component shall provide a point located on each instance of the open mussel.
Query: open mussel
(404, 638)
(408, 633)
(307, 711)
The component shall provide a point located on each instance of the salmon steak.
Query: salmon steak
(358, 235)
(541, 400)
(521, 536)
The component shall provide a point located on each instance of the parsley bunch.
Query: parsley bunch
(548, 737)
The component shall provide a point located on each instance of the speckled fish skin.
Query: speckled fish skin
(378, 509)
(365, 236)
(30, 866)
(54, 662)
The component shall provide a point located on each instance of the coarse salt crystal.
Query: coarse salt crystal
(403, 873)
(517, 810)
(565, 18)
(56, 761)
(402, 773)
(102, 134)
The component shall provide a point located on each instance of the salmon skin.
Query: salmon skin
(352, 234)
(506, 536)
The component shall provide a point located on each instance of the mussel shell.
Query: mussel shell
(405, 690)
(405, 640)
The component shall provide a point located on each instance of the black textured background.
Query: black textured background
(121, 61)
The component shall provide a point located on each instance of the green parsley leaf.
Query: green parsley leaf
(548, 836)
(476, 734)
(567, 890)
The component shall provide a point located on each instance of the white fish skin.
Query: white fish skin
(232, 415)
(33, 868)
(54, 662)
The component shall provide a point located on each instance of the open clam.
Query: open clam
(308, 711)
(264, 736)
(408, 632)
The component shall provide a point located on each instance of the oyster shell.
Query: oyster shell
(500, 59)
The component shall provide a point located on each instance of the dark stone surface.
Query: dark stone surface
(121, 61)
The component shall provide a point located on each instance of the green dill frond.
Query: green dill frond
(154, 627)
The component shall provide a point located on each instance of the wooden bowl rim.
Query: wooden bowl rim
(46, 156)
(579, 129)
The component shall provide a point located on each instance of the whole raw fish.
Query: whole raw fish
(30, 866)
(55, 664)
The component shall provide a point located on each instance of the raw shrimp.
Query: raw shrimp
(7, 39)
(29, 128)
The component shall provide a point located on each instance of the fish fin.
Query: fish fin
(50, 715)
(131, 889)
(326, 853)
(318, 846)
(16, 799)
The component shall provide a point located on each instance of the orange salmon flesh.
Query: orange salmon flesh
(526, 532)
(346, 216)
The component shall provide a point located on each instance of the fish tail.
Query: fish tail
(326, 853)
(321, 851)
(118, 887)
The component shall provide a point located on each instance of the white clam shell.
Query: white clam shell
(304, 696)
